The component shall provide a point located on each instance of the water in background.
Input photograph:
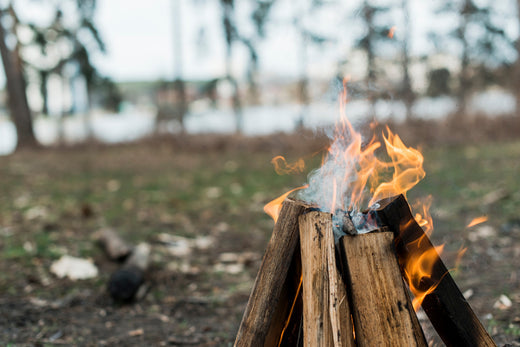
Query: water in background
(136, 123)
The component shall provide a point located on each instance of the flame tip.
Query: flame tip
(477, 221)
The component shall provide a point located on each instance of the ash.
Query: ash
(353, 222)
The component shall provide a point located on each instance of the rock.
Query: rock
(127, 282)
(482, 232)
(74, 268)
(468, 294)
(124, 283)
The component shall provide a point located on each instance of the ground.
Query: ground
(198, 202)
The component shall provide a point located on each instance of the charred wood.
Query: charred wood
(446, 307)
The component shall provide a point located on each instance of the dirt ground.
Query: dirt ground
(198, 202)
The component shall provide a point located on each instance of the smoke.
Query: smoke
(339, 186)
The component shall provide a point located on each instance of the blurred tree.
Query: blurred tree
(15, 78)
(64, 50)
(259, 16)
(438, 82)
(303, 81)
(74, 41)
(309, 36)
(374, 34)
(484, 45)
(516, 84)
(406, 92)
(177, 108)
(231, 35)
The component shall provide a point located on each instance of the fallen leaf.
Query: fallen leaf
(74, 268)
(468, 294)
(482, 232)
(136, 332)
(232, 269)
(503, 303)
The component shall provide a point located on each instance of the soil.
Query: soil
(198, 203)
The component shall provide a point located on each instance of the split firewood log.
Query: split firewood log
(114, 246)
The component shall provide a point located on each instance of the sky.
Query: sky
(140, 39)
(140, 36)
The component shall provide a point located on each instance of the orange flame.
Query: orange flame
(283, 168)
(291, 311)
(476, 221)
(418, 270)
(407, 164)
(274, 207)
(460, 254)
(391, 32)
(352, 176)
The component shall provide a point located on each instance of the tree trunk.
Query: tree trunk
(465, 79)
(368, 16)
(407, 91)
(180, 103)
(303, 80)
(18, 105)
(516, 84)
(44, 78)
(229, 30)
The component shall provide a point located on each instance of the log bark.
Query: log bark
(326, 313)
(113, 245)
(446, 307)
(267, 289)
(381, 310)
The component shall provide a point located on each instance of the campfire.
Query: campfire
(344, 258)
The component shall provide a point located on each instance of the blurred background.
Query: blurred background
(118, 70)
(158, 121)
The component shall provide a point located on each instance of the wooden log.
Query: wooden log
(285, 327)
(446, 307)
(382, 313)
(264, 298)
(326, 313)
(113, 245)
(125, 284)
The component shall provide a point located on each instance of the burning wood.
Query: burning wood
(448, 310)
(326, 312)
(265, 296)
(372, 303)
(352, 177)
(381, 307)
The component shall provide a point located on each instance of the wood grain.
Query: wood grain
(381, 310)
(326, 312)
(268, 285)
(446, 307)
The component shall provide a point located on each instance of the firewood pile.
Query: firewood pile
(315, 289)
